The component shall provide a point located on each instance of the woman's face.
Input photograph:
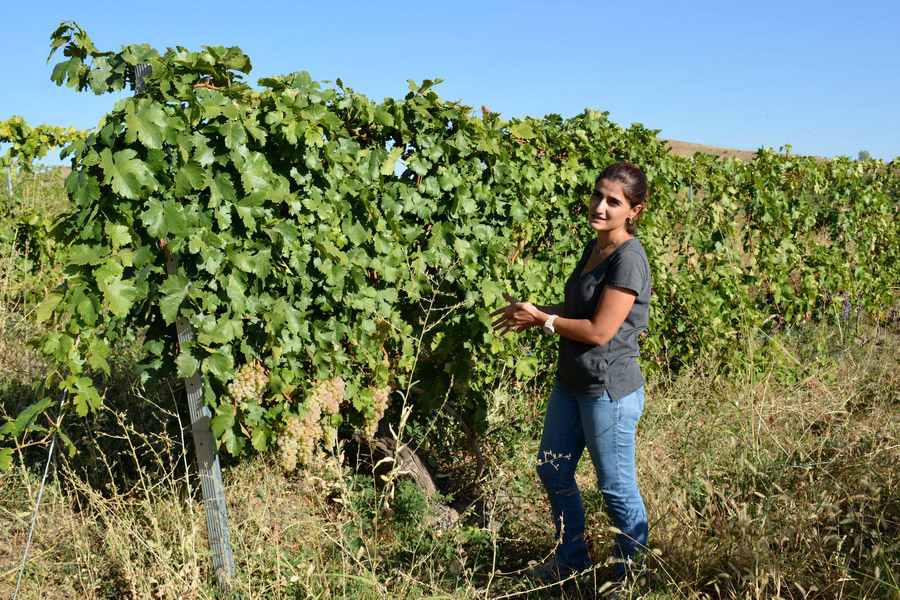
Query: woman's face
(609, 209)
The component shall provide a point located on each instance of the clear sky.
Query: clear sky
(819, 75)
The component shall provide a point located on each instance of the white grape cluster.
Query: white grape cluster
(329, 437)
(311, 431)
(330, 394)
(382, 396)
(298, 439)
(297, 442)
(289, 444)
(249, 384)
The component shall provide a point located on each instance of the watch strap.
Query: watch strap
(548, 324)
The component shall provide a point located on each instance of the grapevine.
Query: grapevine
(28, 144)
(320, 231)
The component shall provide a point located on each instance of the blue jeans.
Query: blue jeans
(606, 427)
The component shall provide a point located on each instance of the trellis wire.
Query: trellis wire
(38, 503)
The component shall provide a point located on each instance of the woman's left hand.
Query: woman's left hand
(516, 316)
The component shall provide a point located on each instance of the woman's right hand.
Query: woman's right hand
(517, 316)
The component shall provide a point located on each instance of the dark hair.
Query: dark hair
(634, 185)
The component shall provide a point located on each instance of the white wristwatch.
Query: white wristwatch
(548, 325)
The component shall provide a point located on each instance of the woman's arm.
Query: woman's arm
(550, 310)
(612, 308)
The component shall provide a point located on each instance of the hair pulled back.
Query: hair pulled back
(634, 185)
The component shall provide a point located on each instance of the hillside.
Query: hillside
(689, 148)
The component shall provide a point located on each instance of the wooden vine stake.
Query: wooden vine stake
(208, 466)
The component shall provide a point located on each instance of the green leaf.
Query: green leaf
(118, 235)
(491, 290)
(25, 418)
(82, 254)
(521, 130)
(175, 218)
(223, 421)
(221, 189)
(218, 363)
(259, 438)
(119, 295)
(186, 364)
(98, 352)
(86, 396)
(190, 177)
(6, 455)
(255, 173)
(128, 176)
(387, 167)
(145, 120)
(385, 118)
(45, 309)
(173, 291)
(154, 219)
(262, 263)
(67, 441)
(109, 270)
(233, 443)
(526, 367)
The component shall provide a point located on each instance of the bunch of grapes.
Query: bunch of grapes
(382, 395)
(329, 437)
(249, 384)
(460, 387)
(330, 394)
(298, 439)
(289, 444)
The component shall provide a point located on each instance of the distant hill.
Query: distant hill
(688, 149)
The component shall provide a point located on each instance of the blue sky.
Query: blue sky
(821, 76)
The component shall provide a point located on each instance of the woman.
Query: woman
(598, 395)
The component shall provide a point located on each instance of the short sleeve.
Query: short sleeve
(628, 270)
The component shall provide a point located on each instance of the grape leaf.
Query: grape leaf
(146, 120)
(6, 455)
(119, 295)
(154, 219)
(173, 291)
(223, 421)
(128, 176)
(186, 364)
(45, 309)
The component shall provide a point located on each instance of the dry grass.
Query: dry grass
(786, 489)
(756, 489)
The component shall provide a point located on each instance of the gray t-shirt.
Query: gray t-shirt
(589, 370)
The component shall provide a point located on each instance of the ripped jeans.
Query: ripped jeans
(607, 428)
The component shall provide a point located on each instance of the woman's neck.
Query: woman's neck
(605, 238)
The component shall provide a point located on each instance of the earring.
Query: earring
(630, 221)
